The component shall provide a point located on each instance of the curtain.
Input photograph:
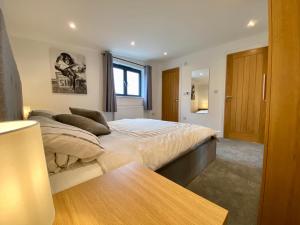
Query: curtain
(11, 103)
(147, 88)
(109, 102)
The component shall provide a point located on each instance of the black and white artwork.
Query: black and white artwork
(193, 94)
(68, 72)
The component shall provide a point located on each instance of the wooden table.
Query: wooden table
(134, 195)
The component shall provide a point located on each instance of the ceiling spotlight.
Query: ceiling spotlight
(165, 53)
(251, 23)
(72, 25)
(132, 43)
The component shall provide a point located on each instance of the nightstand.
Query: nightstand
(134, 194)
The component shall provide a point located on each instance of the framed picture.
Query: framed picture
(68, 71)
(193, 96)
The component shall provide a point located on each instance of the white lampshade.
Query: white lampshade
(25, 194)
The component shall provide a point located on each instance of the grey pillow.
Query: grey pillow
(91, 114)
(83, 123)
(43, 113)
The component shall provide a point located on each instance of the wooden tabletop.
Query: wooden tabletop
(134, 195)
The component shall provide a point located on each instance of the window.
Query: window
(127, 81)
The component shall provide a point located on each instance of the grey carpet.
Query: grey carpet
(233, 180)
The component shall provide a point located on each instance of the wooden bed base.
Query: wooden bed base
(186, 167)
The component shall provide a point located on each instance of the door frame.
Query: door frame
(228, 70)
(179, 90)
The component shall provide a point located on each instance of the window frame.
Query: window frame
(130, 69)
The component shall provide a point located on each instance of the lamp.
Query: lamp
(26, 112)
(25, 194)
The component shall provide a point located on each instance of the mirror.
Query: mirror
(199, 91)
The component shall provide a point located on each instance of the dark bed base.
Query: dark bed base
(185, 168)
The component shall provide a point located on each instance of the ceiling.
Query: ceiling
(178, 27)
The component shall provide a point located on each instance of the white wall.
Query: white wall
(33, 61)
(32, 58)
(215, 60)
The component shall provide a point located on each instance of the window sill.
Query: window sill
(131, 97)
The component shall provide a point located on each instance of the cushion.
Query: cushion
(64, 145)
(93, 115)
(44, 113)
(83, 123)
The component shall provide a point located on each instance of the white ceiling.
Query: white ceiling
(175, 26)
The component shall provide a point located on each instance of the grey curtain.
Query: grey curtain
(11, 103)
(147, 87)
(109, 101)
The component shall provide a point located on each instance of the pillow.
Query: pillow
(64, 145)
(93, 115)
(43, 113)
(83, 123)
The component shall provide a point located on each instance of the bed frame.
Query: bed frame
(188, 166)
(181, 170)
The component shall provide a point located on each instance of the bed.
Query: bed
(175, 150)
(178, 151)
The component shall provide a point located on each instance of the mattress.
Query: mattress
(153, 143)
(79, 173)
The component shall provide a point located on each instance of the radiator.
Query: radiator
(129, 108)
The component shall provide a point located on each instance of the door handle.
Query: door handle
(228, 97)
(264, 87)
(177, 100)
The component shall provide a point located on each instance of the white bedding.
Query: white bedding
(79, 173)
(153, 143)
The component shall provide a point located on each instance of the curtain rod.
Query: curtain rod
(128, 61)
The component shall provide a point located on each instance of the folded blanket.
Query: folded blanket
(64, 144)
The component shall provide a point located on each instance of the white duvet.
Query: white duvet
(153, 143)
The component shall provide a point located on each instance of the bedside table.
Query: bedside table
(134, 194)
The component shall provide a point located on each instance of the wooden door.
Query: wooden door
(170, 94)
(245, 105)
(280, 201)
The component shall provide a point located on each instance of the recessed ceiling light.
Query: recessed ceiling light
(251, 23)
(72, 25)
(132, 43)
(165, 53)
